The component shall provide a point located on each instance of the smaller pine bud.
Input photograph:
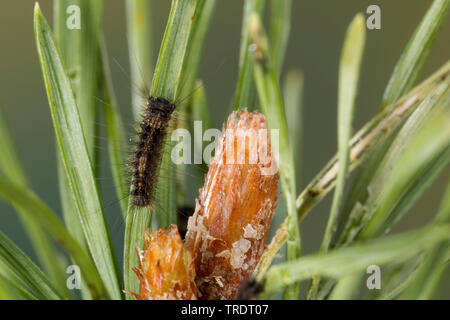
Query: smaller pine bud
(166, 270)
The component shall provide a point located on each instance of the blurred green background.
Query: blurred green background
(317, 32)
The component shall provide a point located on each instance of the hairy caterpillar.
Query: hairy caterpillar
(148, 150)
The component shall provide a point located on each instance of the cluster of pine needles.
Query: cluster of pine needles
(396, 157)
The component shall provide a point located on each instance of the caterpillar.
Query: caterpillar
(148, 150)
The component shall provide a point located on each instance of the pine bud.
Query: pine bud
(228, 230)
(166, 270)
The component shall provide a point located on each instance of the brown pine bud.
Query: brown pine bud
(166, 270)
(233, 213)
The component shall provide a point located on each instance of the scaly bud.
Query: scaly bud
(228, 230)
(166, 270)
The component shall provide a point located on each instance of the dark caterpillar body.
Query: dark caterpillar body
(148, 150)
